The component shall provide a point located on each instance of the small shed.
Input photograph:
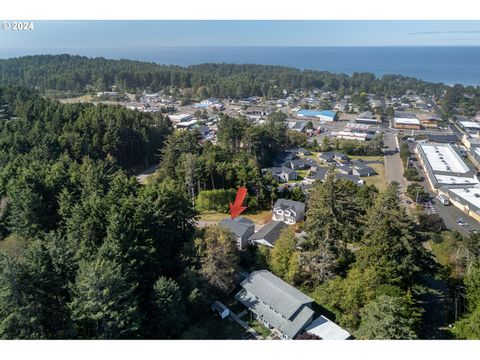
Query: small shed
(221, 309)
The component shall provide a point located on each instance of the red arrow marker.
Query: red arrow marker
(236, 208)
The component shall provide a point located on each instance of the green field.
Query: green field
(259, 217)
(378, 180)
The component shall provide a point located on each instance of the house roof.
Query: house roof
(297, 206)
(349, 177)
(318, 174)
(280, 304)
(366, 115)
(239, 226)
(269, 232)
(290, 327)
(303, 151)
(275, 292)
(327, 329)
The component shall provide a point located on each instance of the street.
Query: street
(393, 163)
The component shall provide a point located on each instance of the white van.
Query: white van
(443, 199)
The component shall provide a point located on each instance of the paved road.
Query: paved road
(393, 163)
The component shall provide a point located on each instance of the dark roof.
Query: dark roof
(297, 206)
(440, 138)
(269, 232)
(365, 115)
(349, 177)
(239, 226)
(319, 174)
(364, 170)
(303, 151)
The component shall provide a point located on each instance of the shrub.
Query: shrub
(215, 200)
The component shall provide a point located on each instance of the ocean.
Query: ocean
(449, 65)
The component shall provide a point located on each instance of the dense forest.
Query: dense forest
(77, 74)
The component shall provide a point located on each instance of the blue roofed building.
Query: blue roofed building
(323, 115)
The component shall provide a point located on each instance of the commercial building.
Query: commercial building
(406, 123)
(466, 199)
(322, 115)
(361, 132)
(444, 166)
(180, 117)
(470, 126)
(429, 121)
(367, 118)
(449, 175)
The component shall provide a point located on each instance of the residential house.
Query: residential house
(241, 227)
(299, 164)
(297, 125)
(359, 168)
(282, 174)
(288, 211)
(303, 152)
(353, 178)
(318, 174)
(332, 156)
(276, 304)
(268, 234)
(327, 329)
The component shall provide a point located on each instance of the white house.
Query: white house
(288, 211)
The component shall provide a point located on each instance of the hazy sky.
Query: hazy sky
(130, 34)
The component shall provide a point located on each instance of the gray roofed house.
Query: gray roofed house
(363, 170)
(318, 174)
(344, 169)
(268, 234)
(242, 227)
(303, 152)
(283, 174)
(327, 329)
(332, 156)
(353, 178)
(288, 211)
(299, 164)
(275, 303)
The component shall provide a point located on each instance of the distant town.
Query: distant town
(331, 207)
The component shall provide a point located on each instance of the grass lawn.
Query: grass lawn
(80, 99)
(218, 329)
(366, 158)
(378, 180)
(259, 328)
(260, 217)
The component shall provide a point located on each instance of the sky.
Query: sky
(111, 34)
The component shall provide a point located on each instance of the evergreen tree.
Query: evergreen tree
(387, 318)
(219, 258)
(169, 309)
(103, 304)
